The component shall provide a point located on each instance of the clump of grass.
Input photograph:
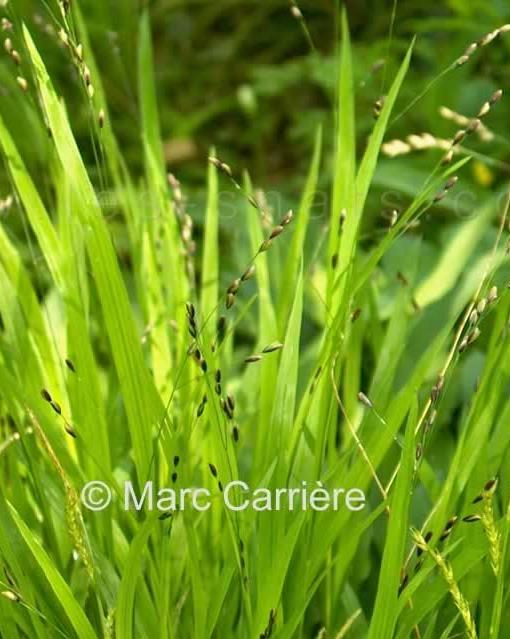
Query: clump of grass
(490, 527)
(448, 576)
(149, 378)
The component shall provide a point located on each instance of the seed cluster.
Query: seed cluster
(447, 573)
(14, 54)
(295, 10)
(484, 133)
(186, 226)
(58, 410)
(473, 330)
(488, 521)
(277, 230)
(75, 524)
(483, 42)
(233, 289)
(473, 125)
(175, 475)
(378, 107)
(214, 472)
(426, 141)
(271, 624)
(77, 57)
(257, 357)
(446, 188)
(414, 142)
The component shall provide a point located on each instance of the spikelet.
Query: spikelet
(490, 527)
(472, 125)
(447, 574)
(74, 517)
(109, 627)
(421, 142)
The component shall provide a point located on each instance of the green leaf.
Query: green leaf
(58, 584)
(384, 617)
(143, 405)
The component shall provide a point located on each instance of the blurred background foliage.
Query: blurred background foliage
(241, 76)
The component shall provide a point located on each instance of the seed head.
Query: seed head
(79, 52)
(473, 126)
(214, 470)
(365, 400)
(491, 485)
(474, 335)
(486, 107)
(496, 97)
(200, 409)
(459, 137)
(230, 300)
(64, 38)
(296, 12)
(482, 305)
(287, 218)
(221, 328)
(234, 287)
(275, 346)
(70, 431)
(469, 519)
(22, 83)
(10, 595)
(355, 315)
(493, 295)
(252, 359)
(215, 162)
(463, 345)
(462, 60)
(451, 523)
(248, 274)
(451, 183)
(471, 49)
(45, 395)
(378, 106)
(101, 118)
(278, 230)
(447, 158)
(56, 407)
(8, 45)
(489, 37)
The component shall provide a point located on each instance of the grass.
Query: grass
(378, 365)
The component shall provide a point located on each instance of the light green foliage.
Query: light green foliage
(337, 361)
